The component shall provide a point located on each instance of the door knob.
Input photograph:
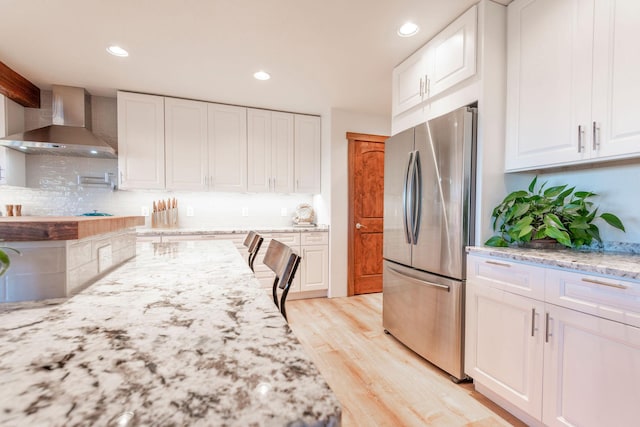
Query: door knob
(359, 226)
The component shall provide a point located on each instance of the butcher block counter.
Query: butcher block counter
(59, 256)
(33, 228)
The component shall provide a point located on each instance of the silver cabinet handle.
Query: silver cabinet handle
(421, 88)
(427, 85)
(1, 177)
(121, 179)
(533, 321)
(600, 282)
(500, 264)
(580, 133)
(596, 136)
(547, 330)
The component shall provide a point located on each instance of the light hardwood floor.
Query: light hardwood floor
(377, 379)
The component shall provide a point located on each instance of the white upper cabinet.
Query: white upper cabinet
(181, 144)
(572, 82)
(409, 82)
(141, 141)
(449, 58)
(616, 81)
(186, 144)
(307, 154)
(270, 151)
(452, 56)
(227, 134)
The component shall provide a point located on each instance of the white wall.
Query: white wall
(342, 122)
(617, 188)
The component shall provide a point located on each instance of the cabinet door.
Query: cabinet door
(549, 66)
(141, 141)
(282, 152)
(186, 144)
(259, 150)
(452, 54)
(227, 133)
(408, 80)
(504, 345)
(307, 154)
(314, 268)
(615, 128)
(591, 371)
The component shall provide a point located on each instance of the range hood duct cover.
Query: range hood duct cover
(69, 135)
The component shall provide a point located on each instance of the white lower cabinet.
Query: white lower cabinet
(504, 343)
(591, 371)
(550, 364)
(314, 265)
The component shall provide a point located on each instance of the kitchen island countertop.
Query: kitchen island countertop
(180, 335)
(622, 265)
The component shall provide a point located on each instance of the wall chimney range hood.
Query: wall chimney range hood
(69, 135)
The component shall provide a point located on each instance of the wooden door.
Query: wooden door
(366, 207)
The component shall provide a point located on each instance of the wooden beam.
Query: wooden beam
(17, 88)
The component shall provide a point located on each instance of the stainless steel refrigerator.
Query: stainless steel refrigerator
(428, 221)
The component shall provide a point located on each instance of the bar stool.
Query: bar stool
(253, 242)
(283, 261)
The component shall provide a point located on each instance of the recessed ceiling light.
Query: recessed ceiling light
(261, 75)
(93, 152)
(23, 148)
(408, 29)
(117, 51)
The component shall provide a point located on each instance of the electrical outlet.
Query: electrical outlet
(189, 210)
(283, 211)
(245, 211)
(145, 211)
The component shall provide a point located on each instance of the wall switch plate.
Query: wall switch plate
(245, 211)
(283, 211)
(145, 211)
(189, 210)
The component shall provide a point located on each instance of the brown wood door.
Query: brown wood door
(366, 207)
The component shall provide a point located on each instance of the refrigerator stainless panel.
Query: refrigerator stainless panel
(424, 312)
(397, 159)
(445, 146)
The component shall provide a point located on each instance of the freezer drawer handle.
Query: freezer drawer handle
(419, 281)
(599, 282)
(501, 264)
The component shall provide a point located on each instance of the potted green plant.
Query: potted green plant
(557, 213)
(5, 261)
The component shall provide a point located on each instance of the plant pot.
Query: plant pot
(546, 243)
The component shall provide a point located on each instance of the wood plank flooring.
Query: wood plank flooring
(377, 379)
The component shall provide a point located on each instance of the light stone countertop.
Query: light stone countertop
(621, 265)
(180, 335)
(228, 230)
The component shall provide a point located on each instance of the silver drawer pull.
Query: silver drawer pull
(501, 264)
(611, 285)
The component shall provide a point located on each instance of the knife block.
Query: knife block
(167, 218)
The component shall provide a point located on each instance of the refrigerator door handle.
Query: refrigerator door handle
(418, 281)
(417, 197)
(406, 199)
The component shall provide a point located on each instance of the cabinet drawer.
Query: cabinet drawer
(606, 297)
(289, 239)
(517, 278)
(315, 238)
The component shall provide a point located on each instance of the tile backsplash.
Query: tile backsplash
(53, 189)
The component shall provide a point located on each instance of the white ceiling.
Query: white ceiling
(321, 53)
